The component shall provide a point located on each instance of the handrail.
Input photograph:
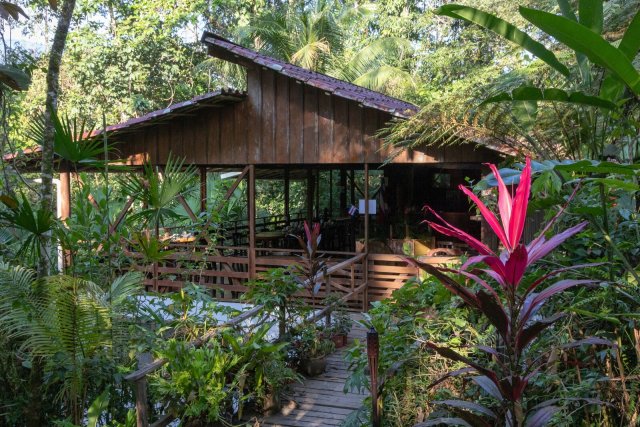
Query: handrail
(158, 363)
(139, 377)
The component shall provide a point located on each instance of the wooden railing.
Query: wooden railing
(139, 377)
(386, 273)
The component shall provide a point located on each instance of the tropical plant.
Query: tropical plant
(312, 35)
(66, 323)
(159, 189)
(10, 76)
(195, 380)
(311, 266)
(513, 305)
(30, 228)
(274, 290)
(258, 357)
(588, 109)
(74, 143)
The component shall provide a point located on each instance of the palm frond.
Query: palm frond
(74, 141)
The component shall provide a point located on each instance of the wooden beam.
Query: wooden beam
(65, 195)
(233, 187)
(353, 189)
(121, 215)
(287, 189)
(365, 262)
(252, 221)
(317, 194)
(366, 208)
(203, 189)
(331, 192)
(343, 192)
(187, 208)
(310, 187)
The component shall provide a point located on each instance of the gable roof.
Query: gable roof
(232, 52)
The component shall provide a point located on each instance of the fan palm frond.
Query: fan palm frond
(74, 142)
(158, 189)
(29, 226)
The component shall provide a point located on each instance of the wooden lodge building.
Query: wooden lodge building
(295, 124)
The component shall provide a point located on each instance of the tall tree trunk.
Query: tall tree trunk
(53, 83)
(35, 416)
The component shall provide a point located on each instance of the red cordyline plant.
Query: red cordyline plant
(311, 264)
(510, 305)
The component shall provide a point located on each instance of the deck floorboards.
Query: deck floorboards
(320, 401)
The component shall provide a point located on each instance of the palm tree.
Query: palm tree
(312, 35)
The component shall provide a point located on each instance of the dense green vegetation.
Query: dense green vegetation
(557, 81)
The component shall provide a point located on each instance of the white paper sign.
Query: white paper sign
(372, 207)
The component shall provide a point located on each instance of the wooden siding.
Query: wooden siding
(281, 121)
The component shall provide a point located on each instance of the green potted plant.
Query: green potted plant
(312, 349)
(340, 323)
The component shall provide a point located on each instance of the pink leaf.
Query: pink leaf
(307, 232)
(540, 247)
(504, 199)
(494, 263)
(520, 203)
(489, 217)
(552, 290)
(451, 231)
(516, 266)
(540, 280)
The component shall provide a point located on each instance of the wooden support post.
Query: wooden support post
(366, 208)
(203, 189)
(142, 418)
(327, 319)
(331, 193)
(65, 195)
(343, 192)
(142, 411)
(353, 186)
(365, 261)
(252, 221)
(317, 194)
(310, 187)
(287, 189)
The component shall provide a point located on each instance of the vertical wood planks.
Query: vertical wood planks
(340, 145)
(296, 131)
(164, 143)
(371, 143)
(310, 139)
(176, 136)
(240, 143)
(356, 147)
(227, 133)
(267, 116)
(282, 120)
(213, 136)
(200, 143)
(325, 128)
(189, 140)
(254, 105)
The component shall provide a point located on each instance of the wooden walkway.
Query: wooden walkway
(320, 401)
